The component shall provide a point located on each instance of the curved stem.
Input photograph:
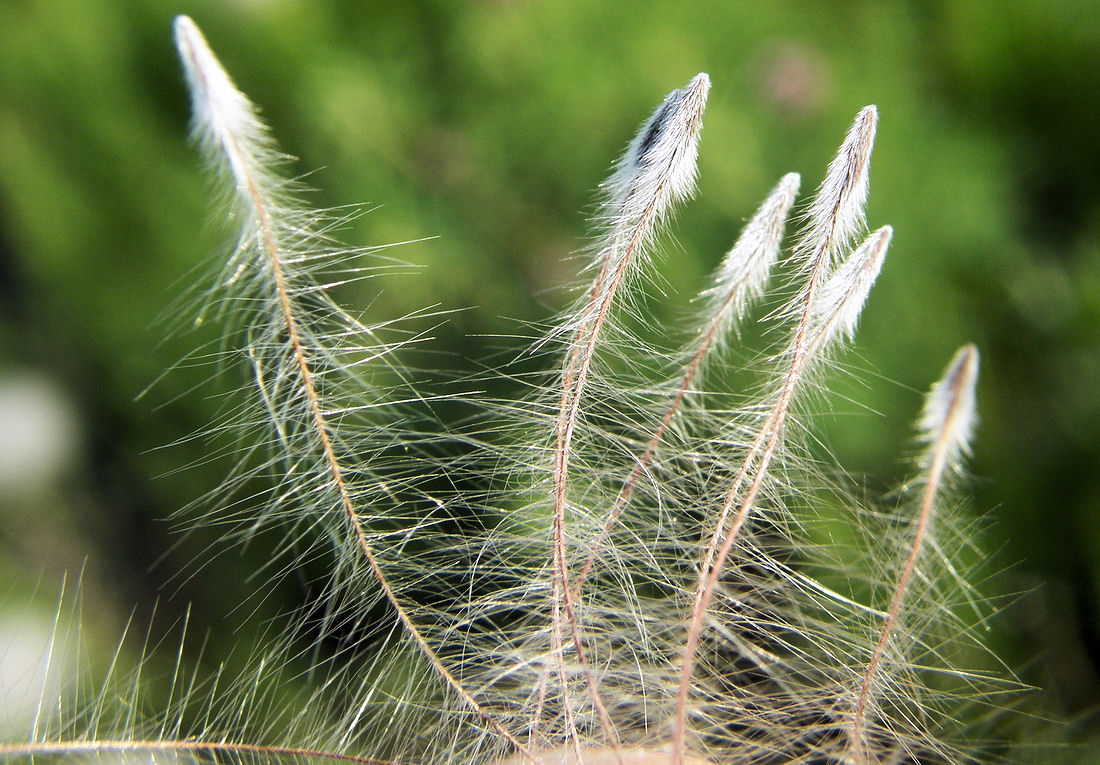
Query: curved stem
(756, 463)
(859, 717)
(335, 469)
(574, 379)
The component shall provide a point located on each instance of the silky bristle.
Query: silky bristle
(843, 294)
(743, 274)
(837, 211)
(950, 410)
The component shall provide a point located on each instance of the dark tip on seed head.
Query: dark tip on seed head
(656, 127)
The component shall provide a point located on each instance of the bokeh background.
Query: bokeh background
(478, 131)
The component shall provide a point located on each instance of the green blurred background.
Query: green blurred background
(487, 125)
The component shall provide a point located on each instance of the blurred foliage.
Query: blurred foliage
(487, 125)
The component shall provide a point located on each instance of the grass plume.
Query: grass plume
(947, 426)
(607, 570)
(294, 361)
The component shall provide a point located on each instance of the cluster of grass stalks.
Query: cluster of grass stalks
(632, 563)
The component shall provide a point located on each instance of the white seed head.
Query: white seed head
(659, 165)
(837, 211)
(841, 299)
(950, 411)
(224, 121)
(743, 273)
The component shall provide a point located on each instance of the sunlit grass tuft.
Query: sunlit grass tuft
(623, 565)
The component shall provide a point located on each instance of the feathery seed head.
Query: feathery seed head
(950, 411)
(837, 211)
(743, 274)
(843, 294)
(539, 646)
(659, 165)
(224, 121)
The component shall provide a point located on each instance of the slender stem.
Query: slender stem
(574, 379)
(935, 475)
(654, 442)
(563, 679)
(764, 447)
(566, 388)
(334, 467)
(536, 717)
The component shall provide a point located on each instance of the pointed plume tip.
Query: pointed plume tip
(674, 124)
(837, 212)
(192, 46)
(659, 165)
(743, 273)
(224, 122)
(845, 292)
(950, 412)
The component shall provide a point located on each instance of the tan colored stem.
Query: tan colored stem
(859, 717)
(574, 379)
(721, 542)
(335, 470)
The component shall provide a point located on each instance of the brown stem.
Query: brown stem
(335, 469)
(574, 379)
(859, 717)
(764, 447)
